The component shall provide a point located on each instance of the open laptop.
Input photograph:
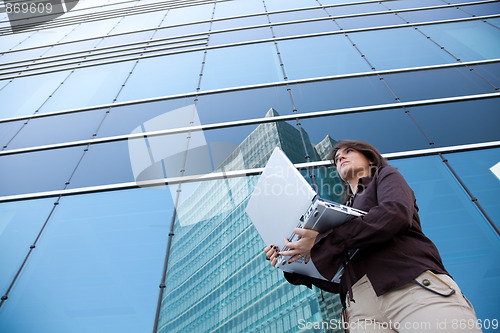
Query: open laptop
(283, 200)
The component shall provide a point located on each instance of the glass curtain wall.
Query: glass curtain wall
(132, 133)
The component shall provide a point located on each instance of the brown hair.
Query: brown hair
(369, 151)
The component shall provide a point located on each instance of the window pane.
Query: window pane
(453, 123)
(490, 72)
(37, 172)
(273, 5)
(238, 7)
(124, 119)
(297, 15)
(188, 14)
(468, 41)
(480, 172)
(23, 96)
(482, 9)
(320, 56)
(403, 4)
(400, 48)
(7, 131)
(46, 37)
(92, 29)
(89, 86)
(438, 83)
(23, 55)
(139, 22)
(432, 15)
(182, 30)
(163, 76)
(240, 36)
(243, 104)
(238, 22)
(388, 130)
(339, 94)
(463, 237)
(296, 29)
(369, 21)
(353, 9)
(20, 223)
(124, 39)
(250, 64)
(106, 251)
(71, 127)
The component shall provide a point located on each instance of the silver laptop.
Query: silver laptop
(283, 200)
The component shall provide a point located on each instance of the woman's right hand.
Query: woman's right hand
(272, 253)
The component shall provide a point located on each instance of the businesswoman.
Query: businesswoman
(396, 282)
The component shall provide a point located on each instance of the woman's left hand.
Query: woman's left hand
(302, 247)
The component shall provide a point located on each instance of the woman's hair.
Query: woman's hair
(370, 152)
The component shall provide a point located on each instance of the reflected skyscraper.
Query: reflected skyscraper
(218, 280)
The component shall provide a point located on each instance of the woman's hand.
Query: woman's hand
(302, 247)
(272, 253)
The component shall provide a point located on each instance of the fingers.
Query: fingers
(306, 232)
(272, 254)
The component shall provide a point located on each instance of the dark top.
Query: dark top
(393, 248)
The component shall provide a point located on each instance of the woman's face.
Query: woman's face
(351, 164)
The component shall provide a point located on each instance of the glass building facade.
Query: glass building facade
(133, 132)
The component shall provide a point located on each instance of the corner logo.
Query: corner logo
(26, 14)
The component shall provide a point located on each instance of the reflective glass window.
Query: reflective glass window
(46, 36)
(320, 56)
(480, 171)
(103, 164)
(273, 5)
(23, 96)
(284, 30)
(23, 55)
(238, 22)
(368, 21)
(339, 94)
(437, 83)
(92, 29)
(240, 36)
(37, 171)
(490, 72)
(473, 40)
(238, 7)
(182, 30)
(218, 230)
(462, 235)
(70, 127)
(188, 14)
(138, 22)
(14, 41)
(432, 15)
(72, 47)
(454, 124)
(89, 86)
(494, 21)
(250, 64)
(297, 15)
(352, 9)
(124, 119)
(243, 104)
(8, 130)
(20, 223)
(162, 76)
(125, 38)
(388, 130)
(399, 48)
(403, 4)
(97, 263)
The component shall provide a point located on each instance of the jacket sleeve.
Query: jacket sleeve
(392, 214)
